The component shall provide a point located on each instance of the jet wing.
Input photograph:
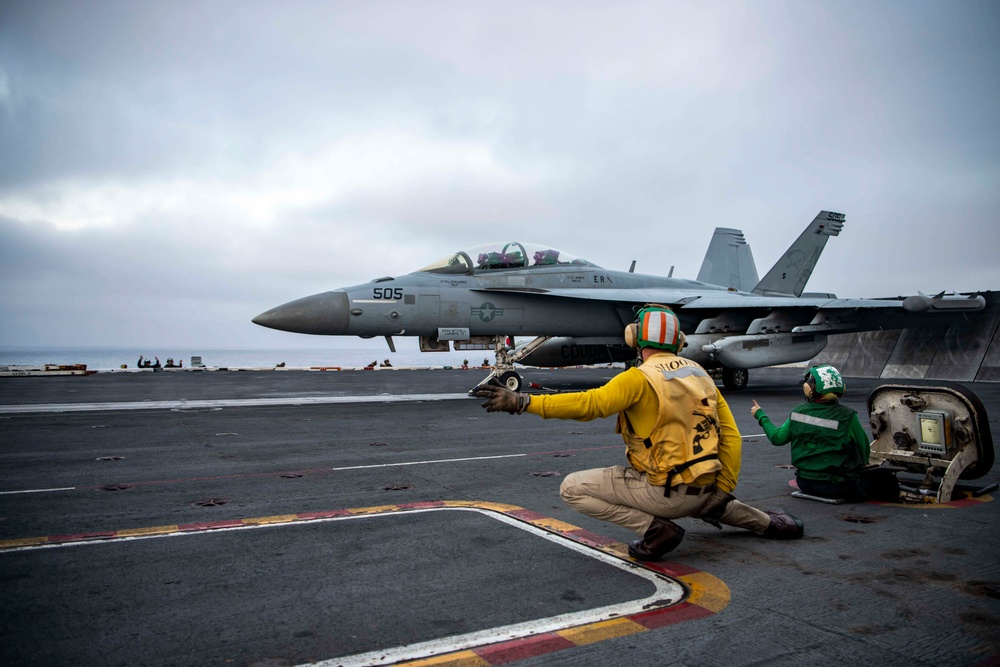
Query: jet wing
(693, 298)
(637, 295)
(773, 314)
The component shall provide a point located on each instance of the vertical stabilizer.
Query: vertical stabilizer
(728, 262)
(789, 275)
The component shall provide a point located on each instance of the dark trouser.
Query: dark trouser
(873, 484)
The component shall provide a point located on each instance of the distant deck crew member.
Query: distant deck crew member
(829, 447)
(681, 442)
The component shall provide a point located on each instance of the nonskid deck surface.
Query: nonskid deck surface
(290, 532)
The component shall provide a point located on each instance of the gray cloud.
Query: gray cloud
(169, 170)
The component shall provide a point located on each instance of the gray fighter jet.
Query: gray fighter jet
(483, 297)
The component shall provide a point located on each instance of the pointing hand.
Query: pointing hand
(753, 409)
(502, 399)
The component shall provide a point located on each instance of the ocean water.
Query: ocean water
(112, 358)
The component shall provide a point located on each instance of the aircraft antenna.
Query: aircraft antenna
(631, 269)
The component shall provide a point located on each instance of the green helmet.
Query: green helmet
(825, 379)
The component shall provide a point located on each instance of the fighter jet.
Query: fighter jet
(485, 296)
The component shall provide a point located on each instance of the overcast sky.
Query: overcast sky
(168, 170)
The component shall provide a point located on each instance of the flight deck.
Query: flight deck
(287, 518)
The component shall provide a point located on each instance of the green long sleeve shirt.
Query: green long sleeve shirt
(827, 440)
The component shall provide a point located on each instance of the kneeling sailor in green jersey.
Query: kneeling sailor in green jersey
(829, 447)
(681, 443)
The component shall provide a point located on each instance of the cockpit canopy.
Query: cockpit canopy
(493, 256)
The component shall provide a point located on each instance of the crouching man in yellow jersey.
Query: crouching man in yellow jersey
(681, 441)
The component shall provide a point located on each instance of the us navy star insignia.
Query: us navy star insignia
(487, 312)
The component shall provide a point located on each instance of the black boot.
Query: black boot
(661, 537)
(783, 525)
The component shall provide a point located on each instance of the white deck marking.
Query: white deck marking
(65, 488)
(340, 469)
(420, 463)
(218, 404)
(667, 591)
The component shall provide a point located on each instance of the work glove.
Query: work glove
(715, 507)
(502, 399)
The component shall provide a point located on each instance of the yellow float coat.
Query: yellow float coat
(635, 395)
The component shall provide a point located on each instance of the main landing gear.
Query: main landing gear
(503, 372)
(735, 379)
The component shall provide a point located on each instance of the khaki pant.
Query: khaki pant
(622, 496)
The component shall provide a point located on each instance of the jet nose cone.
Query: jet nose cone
(325, 313)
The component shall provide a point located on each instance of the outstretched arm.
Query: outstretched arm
(777, 435)
(622, 392)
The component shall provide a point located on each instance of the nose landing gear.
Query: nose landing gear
(503, 372)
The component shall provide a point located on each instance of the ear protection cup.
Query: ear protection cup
(632, 335)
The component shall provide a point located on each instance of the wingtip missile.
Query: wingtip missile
(921, 303)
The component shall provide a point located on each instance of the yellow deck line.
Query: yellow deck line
(596, 632)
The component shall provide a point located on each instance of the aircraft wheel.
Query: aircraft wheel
(735, 379)
(511, 380)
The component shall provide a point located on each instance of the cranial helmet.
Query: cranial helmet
(822, 380)
(655, 326)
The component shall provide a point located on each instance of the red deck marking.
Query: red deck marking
(661, 618)
(671, 569)
(526, 515)
(968, 502)
(589, 538)
(427, 504)
(209, 525)
(519, 649)
(81, 537)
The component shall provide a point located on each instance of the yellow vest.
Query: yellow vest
(687, 426)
